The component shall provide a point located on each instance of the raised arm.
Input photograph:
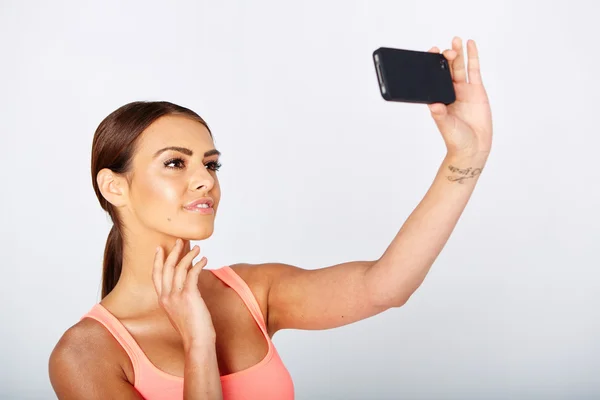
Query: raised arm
(344, 293)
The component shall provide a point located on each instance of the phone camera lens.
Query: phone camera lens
(443, 63)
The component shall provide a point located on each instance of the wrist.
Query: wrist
(474, 156)
(207, 342)
(463, 167)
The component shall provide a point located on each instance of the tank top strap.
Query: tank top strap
(114, 326)
(234, 281)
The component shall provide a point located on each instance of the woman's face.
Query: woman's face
(163, 181)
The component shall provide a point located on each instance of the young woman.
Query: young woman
(167, 329)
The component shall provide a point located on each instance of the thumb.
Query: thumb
(439, 113)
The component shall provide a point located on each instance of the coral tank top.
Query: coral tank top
(267, 380)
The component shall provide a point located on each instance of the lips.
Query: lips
(203, 200)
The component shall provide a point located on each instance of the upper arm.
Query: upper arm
(318, 299)
(78, 371)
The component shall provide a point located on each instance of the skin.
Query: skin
(152, 210)
(150, 202)
(151, 206)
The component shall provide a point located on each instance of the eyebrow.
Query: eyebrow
(187, 151)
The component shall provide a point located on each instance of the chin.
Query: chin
(200, 233)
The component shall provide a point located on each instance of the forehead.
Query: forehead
(174, 130)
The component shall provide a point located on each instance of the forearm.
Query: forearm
(201, 375)
(405, 263)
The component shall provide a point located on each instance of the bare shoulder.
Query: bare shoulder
(87, 362)
(260, 278)
(254, 277)
(263, 274)
(251, 273)
(257, 278)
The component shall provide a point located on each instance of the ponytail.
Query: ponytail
(113, 260)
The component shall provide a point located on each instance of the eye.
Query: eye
(177, 161)
(214, 165)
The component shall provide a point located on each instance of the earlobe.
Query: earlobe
(111, 187)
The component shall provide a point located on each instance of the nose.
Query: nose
(201, 179)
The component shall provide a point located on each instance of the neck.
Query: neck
(135, 287)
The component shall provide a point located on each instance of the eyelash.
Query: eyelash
(214, 165)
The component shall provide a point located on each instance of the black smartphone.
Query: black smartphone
(413, 76)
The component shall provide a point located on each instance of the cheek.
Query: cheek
(158, 195)
(216, 193)
(165, 191)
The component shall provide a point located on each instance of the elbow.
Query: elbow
(382, 297)
(398, 301)
(386, 301)
(403, 302)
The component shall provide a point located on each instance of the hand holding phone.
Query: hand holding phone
(413, 76)
(464, 117)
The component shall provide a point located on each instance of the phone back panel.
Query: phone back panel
(414, 76)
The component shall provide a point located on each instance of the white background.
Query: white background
(318, 169)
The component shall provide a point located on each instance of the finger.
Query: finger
(458, 65)
(450, 55)
(181, 270)
(157, 270)
(434, 50)
(439, 113)
(192, 277)
(438, 110)
(169, 266)
(473, 55)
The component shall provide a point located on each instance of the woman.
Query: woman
(167, 329)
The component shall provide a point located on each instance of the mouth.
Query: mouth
(203, 205)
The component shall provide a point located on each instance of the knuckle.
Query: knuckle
(186, 289)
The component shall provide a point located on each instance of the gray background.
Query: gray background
(318, 170)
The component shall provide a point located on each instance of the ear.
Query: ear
(113, 187)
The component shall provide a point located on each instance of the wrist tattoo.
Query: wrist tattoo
(463, 174)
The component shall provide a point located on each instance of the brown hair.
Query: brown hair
(113, 147)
